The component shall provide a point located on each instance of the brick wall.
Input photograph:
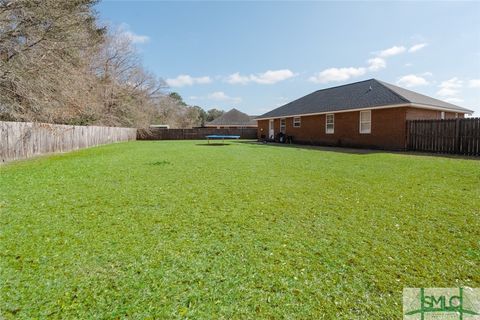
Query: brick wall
(388, 129)
(424, 114)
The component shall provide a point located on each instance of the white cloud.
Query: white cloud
(217, 96)
(408, 64)
(376, 64)
(124, 29)
(268, 77)
(412, 80)
(450, 88)
(187, 80)
(337, 74)
(474, 83)
(271, 77)
(236, 78)
(136, 38)
(221, 96)
(393, 51)
(417, 47)
(427, 74)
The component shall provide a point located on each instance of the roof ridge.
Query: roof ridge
(308, 94)
(230, 117)
(343, 85)
(393, 91)
(359, 95)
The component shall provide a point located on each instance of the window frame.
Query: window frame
(442, 115)
(369, 131)
(297, 124)
(327, 131)
(284, 131)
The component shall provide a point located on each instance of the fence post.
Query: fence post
(407, 135)
(457, 135)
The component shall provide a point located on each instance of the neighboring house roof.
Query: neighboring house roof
(359, 95)
(233, 118)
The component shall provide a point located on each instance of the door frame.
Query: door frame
(271, 129)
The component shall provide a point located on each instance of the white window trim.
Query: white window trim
(285, 126)
(326, 123)
(360, 122)
(442, 115)
(299, 122)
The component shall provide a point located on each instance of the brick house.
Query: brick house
(233, 119)
(369, 114)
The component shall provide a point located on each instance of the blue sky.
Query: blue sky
(256, 56)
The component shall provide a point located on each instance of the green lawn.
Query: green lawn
(176, 229)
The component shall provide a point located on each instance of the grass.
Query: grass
(176, 229)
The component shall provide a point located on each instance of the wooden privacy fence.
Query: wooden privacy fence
(193, 134)
(20, 140)
(459, 136)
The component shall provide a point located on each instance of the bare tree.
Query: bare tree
(128, 92)
(41, 42)
(58, 66)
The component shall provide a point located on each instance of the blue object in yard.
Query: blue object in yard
(223, 137)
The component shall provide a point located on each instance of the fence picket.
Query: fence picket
(460, 136)
(194, 133)
(20, 140)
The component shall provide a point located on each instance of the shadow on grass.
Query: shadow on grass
(358, 151)
(215, 144)
(314, 147)
(159, 163)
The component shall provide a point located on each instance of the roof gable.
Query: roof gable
(418, 98)
(233, 117)
(359, 95)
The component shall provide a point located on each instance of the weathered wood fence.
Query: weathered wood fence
(458, 136)
(20, 140)
(193, 134)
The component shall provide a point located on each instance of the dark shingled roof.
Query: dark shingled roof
(359, 95)
(233, 118)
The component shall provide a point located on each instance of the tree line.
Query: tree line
(58, 65)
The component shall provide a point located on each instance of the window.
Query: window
(330, 123)
(442, 115)
(283, 125)
(365, 121)
(297, 122)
